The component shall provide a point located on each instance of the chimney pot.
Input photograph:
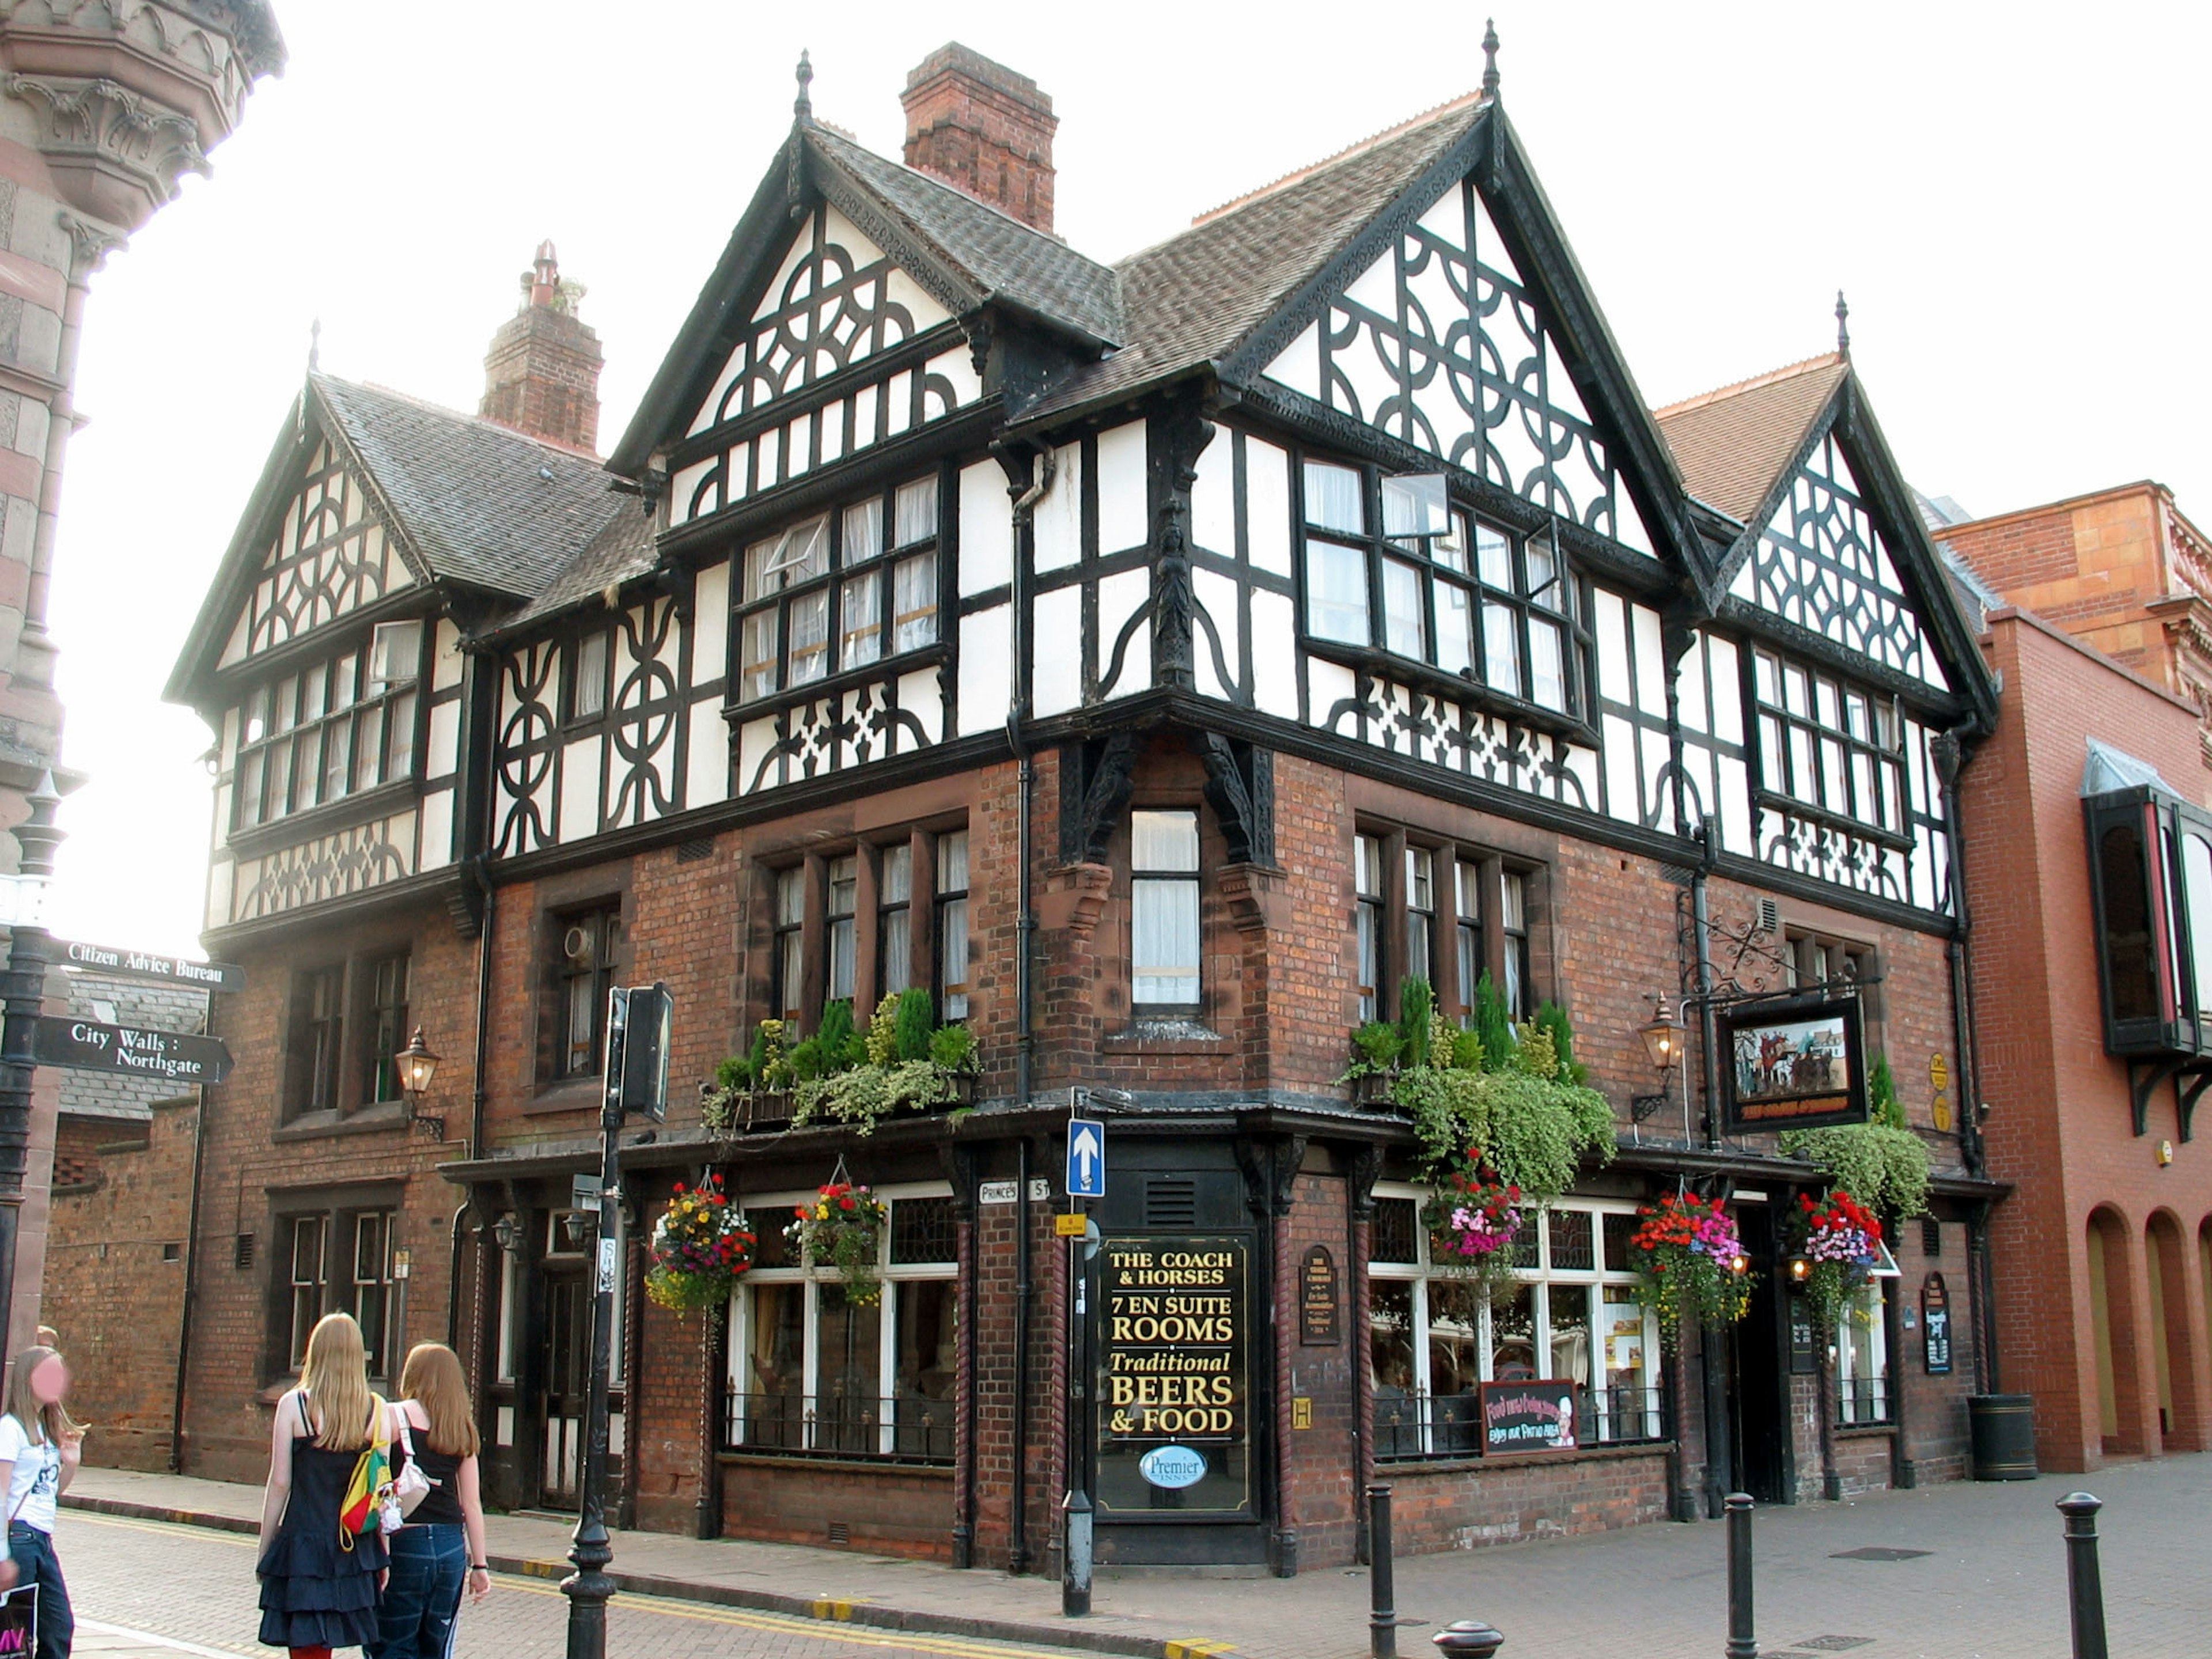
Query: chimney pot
(542, 374)
(983, 129)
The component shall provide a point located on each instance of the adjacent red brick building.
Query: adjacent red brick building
(1152, 667)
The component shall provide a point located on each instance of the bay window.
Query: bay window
(1392, 566)
(839, 590)
(1571, 1314)
(333, 729)
(916, 938)
(1461, 913)
(814, 1372)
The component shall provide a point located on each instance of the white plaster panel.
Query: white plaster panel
(1213, 496)
(898, 403)
(1120, 597)
(710, 623)
(1650, 661)
(1124, 506)
(445, 747)
(707, 756)
(986, 686)
(1607, 622)
(1267, 506)
(1727, 689)
(233, 648)
(1057, 520)
(1327, 684)
(958, 369)
(1735, 790)
(447, 666)
(1056, 676)
(918, 696)
(686, 485)
(755, 743)
(1655, 768)
(902, 289)
(222, 794)
(1622, 801)
(437, 830)
(1582, 764)
(220, 872)
(580, 789)
(1299, 366)
(1274, 655)
(986, 529)
(1216, 598)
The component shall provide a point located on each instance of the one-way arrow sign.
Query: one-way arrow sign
(1086, 1158)
(89, 1045)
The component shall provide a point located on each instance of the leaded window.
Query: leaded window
(587, 688)
(843, 898)
(1420, 911)
(894, 919)
(387, 1027)
(331, 730)
(878, 879)
(952, 959)
(1398, 937)
(812, 1371)
(309, 1236)
(1367, 920)
(1828, 744)
(1391, 566)
(1513, 925)
(1571, 1314)
(1863, 1355)
(371, 1301)
(840, 591)
(317, 1038)
(1165, 908)
(787, 954)
(588, 940)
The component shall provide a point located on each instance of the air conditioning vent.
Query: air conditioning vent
(1170, 1202)
(395, 653)
(1769, 916)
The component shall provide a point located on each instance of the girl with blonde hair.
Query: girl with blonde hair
(40, 1448)
(320, 1583)
(442, 1549)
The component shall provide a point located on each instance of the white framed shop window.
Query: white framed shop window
(1434, 1338)
(813, 1373)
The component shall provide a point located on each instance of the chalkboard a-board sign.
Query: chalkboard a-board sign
(1320, 1323)
(1528, 1417)
(1935, 1326)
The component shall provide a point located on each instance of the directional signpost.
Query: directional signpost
(119, 962)
(91, 1045)
(1086, 1158)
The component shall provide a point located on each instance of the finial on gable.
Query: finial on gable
(1843, 325)
(314, 345)
(803, 105)
(1490, 57)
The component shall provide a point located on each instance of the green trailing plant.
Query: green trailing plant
(1539, 1130)
(1466, 1049)
(1493, 1023)
(904, 1061)
(1883, 1167)
(1534, 1053)
(1417, 1006)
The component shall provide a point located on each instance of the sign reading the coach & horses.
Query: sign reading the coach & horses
(1320, 1319)
(1174, 1404)
(90, 1045)
(1795, 1063)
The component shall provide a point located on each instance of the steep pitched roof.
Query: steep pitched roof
(623, 549)
(1733, 443)
(1194, 298)
(1003, 258)
(479, 503)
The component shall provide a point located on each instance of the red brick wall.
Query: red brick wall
(1504, 1500)
(111, 1291)
(1322, 1501)
(2059, 1124)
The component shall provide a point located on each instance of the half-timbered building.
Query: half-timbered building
(1158, 664)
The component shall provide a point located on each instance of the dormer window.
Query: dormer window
(1828, 744)
(1392, 566)
(839, 592)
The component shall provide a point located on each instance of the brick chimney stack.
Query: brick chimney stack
(984, 129)
(542, 374)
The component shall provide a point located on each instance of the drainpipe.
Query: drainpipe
(1025, 937)
(1951, 755)
(191, 1271)
(480, 1101)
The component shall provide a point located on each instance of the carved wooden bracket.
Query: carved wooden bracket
(1240, 787)
(1095, 781)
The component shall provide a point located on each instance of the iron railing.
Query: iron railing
(1412, 1427)
(905, 1429)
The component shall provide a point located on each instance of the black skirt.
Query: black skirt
(316, 1592)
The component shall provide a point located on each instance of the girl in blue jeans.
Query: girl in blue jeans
(442, 1549)
(39, 1448)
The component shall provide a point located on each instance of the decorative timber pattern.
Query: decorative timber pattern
(798, 392)
(1821, 564)
(330, 558)
(338, 865)
(1438, 342)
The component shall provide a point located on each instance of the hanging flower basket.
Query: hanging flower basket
(843, 1228)
(701, 1245)
(1475, 1221)
(1842, 1242)
(1690, 1263)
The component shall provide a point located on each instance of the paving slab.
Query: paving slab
(1965, 1571)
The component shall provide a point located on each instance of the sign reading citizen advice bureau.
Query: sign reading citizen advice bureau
(147, 965)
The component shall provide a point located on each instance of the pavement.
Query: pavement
(1965, 1571)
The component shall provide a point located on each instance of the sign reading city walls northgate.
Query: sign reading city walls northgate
(1174, 1404)
(155, 969)
(89, 1045)
(1795, 1063)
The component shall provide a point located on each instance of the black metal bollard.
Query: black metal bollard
(2085, 1583)
(1468, 1639)
(1382, 1620)
(1741, 1643)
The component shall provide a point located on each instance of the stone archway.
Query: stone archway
(2118, 1360)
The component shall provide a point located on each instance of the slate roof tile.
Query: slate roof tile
(1733, 443)
(482, 504)
(623, 548)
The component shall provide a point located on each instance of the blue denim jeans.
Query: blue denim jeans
(33, 1552)
(423, 1602)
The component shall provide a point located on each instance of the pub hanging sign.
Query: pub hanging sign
(1794, 1063)
(1175, 1404)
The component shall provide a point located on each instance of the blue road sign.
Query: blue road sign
(1086, 1158)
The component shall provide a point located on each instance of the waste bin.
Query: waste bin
(2004, 1435)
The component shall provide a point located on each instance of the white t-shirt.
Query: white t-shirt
(36, 1482)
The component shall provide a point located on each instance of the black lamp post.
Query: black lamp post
(22, 989)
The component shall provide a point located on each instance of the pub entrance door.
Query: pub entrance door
(1759, 1395)
(568, 1379)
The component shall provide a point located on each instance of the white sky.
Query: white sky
(2012, 195)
